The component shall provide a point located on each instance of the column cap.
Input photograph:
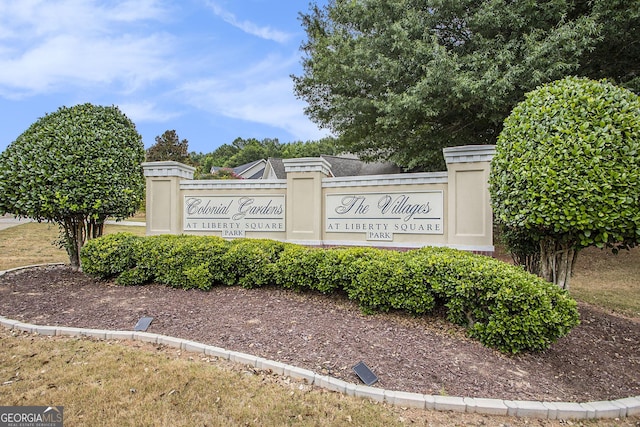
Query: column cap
(308, 164)
(168, 168)
(469, 153)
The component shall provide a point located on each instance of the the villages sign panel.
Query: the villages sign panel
(380, 215)
(234, 215)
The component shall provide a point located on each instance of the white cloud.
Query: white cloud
(146, 112)
(261, 93)
(150, 55)
(46, 17)
(48, 45)
(137, 10)
(32, 19)
(64, 61)
(267, 102)
(249, 27)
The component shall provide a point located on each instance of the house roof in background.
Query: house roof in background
(341, 166)
(251, 170)
(352, 166)
(274, 169)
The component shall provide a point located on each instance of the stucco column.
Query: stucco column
(304, 198)
(164, 206)
(469, 218)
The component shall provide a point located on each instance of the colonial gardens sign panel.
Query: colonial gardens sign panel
(381, 215)
(234, 215)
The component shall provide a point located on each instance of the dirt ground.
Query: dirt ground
(598, 360)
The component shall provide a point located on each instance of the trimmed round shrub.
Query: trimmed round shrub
(568, 162)
(297, 266)
(186, 261)
(329, 270)
(74, 167)
(134, 277)
(528, 316)
(567, 171)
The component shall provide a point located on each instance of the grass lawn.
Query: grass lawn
(34, 243)
(107, 384)
(116, 383)
(607, 280)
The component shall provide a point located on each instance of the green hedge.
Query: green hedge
(501, 305)
(249, 262)
(110, 255)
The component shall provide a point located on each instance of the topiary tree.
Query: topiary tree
(74, 167)
(567, 170)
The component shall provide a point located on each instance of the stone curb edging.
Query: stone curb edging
(620, 408)
(26, 267)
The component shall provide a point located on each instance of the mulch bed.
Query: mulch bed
(598, 360)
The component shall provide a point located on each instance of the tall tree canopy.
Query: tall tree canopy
(75, 167)
(169, 147)
(401, 79)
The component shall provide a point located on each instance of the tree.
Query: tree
(169, 147)
(204, 162)
(401, 79)
(242, 151)
(327, 146)
(224, 173)
(74, 167)
(272, 147)
(567, 170)
(616, 55)
(249, 151)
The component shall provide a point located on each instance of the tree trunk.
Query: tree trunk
(530, 262)
(556, 261)
(95, 228)
(75, 232)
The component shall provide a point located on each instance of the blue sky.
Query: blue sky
(213, 70)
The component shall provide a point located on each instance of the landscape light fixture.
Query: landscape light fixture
(143, 324)
(365, 374)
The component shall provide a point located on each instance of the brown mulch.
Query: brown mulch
(598, 360)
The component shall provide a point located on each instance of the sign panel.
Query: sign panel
(234, 215)
(380, 215)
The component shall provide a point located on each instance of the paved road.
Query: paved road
(7, 221)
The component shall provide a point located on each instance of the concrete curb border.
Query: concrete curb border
(620, 408)
(26, 267)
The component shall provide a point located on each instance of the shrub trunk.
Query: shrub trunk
(76, 231)
(556, 261)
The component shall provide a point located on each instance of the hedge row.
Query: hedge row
(502, 306)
